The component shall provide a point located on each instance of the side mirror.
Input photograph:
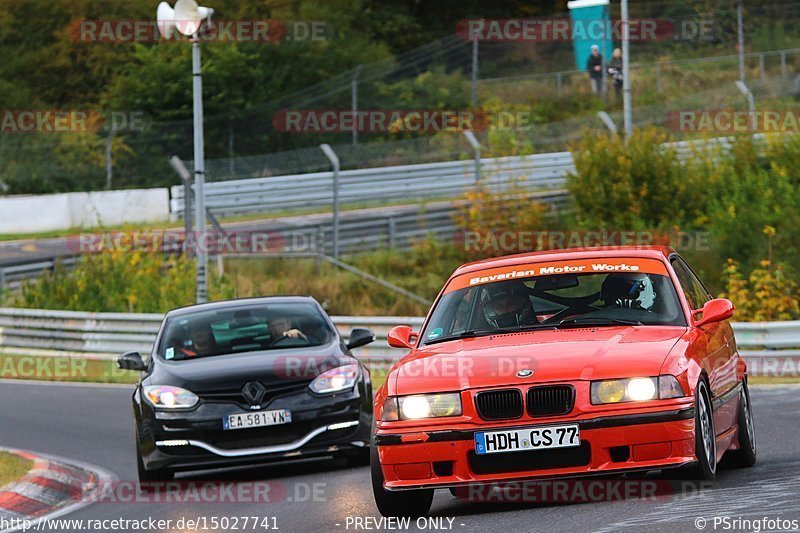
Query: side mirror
(360, 337)
(131, 361)
(401, 337)
(715, 310)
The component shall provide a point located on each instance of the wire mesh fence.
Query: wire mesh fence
(540, 78)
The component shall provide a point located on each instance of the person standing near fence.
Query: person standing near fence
(594, 66)
(615, 72)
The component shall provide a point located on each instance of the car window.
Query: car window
(693, 288)
(643, 297)
(242, 329)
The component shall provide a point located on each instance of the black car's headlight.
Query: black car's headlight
(417, 406)
(168, 397)
(335, 380)
(635, 389)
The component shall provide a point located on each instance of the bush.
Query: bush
(768, 293)
(744, 205)
(493, 220)
(638, 185)
(119, 282)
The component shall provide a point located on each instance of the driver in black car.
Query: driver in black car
(281, 328)
(507, 304)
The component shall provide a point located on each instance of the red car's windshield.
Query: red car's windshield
(524, 298)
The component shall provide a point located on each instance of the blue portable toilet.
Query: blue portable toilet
(591, 24)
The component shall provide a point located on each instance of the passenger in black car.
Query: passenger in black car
(201, 343)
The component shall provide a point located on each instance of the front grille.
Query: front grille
(257, 437)
(550, 400)
(499, 463)
(499, 404)
(236, 396)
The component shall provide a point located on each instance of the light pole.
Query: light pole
(187, 18)
(199, 175)
(740, 36)
(626, 72)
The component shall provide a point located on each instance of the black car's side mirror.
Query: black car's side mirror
(360, 337)
(131, 361)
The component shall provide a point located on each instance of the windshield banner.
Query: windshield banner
(575, 267)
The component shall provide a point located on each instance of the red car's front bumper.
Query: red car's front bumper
(429, 458)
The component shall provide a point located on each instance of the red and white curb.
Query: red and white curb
(52, 488)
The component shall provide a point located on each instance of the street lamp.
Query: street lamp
(187, 17)
(627, 109)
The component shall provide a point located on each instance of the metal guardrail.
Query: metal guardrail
(396, 227)
(770, 348)
(377, 185)
(412, 183)
(11, 277)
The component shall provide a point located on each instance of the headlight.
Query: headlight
(668, 387)
(166, 397)
(335, 380)
(420, 406)
(635, 390)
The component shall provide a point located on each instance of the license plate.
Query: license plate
(527, 439)
(257, 419)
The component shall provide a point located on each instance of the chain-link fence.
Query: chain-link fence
(537, 78)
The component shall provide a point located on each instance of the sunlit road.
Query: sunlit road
(93, 424)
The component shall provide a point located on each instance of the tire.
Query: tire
(411, 504)
(705, 437)
(745, 456)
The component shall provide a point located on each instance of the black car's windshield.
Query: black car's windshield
(545, 298)
(244, 329)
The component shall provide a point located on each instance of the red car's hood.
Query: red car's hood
(553, 355)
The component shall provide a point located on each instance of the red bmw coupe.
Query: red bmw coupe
(561, 364)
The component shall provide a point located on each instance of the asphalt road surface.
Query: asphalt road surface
(93, 424)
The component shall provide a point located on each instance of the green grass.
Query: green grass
(378, 377)
(63, 369)
(12, 467)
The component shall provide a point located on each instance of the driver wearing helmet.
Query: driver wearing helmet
(623, 290)
(506, 304)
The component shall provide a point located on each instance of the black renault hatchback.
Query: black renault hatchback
(249, 381)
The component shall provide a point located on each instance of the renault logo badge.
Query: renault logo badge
(254, 393)
(526, 373)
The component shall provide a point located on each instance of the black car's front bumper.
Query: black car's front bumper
(195, 440)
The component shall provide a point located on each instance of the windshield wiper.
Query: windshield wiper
(486, 332)
(470, 333)
(598, 321)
